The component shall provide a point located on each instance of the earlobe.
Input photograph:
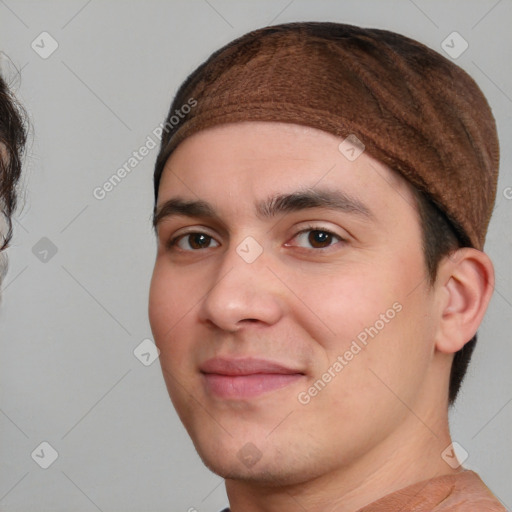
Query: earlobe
(465, 284)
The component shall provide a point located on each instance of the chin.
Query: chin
(267, 466)
(265, 475)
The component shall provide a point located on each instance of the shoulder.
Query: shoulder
(461, 492)
(469, 492)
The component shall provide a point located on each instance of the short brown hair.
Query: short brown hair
(440, 238)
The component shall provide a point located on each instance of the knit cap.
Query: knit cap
(405, 104)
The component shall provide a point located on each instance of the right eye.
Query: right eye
(194, 241)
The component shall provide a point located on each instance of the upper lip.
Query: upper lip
(245, 366)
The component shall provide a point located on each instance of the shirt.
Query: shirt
(460, 492)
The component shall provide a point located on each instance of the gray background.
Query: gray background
(70, 321)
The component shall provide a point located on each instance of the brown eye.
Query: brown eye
(319, 239)
(199, 240)
(316, 238)
(192, 241)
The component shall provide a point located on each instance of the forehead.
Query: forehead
(244, 162)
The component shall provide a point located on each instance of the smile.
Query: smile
(246, 378)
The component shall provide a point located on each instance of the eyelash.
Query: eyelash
(174, 241)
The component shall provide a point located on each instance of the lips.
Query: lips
(247, 377)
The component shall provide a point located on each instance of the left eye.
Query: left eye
(317, 238)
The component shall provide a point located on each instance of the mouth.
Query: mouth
(246, 378)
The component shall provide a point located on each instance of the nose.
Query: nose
(242, 292)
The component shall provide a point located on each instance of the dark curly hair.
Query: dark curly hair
(13, 136)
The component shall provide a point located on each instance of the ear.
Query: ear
(464, 286)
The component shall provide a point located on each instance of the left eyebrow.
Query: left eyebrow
(271, 207)
(307, 199)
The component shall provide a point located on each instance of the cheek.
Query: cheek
(169, 303)
(169, 307)
(345, 302)
(377, 311)
(160, 301)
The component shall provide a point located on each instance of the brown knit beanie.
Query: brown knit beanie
(413, 109)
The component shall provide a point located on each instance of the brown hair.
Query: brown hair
(440, 238)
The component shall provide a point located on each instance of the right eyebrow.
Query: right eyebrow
(187, 208)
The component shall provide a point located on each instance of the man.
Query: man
(12, 143)
(322, 199)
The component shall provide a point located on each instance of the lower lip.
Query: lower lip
(247, 386)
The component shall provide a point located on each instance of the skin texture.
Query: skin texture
(381, 422)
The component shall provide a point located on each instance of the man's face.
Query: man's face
(291, 336)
